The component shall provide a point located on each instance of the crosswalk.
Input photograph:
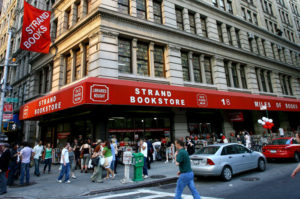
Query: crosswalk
(146, 194)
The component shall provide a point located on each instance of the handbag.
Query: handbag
(101, 161)
(95, 161)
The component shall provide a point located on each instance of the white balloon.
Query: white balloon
(259, 121)
(263, 123)
(264, 118)
(270, 120)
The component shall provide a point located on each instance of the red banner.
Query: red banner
(36, 29)
(103, 91)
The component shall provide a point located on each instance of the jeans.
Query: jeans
(37, 167)
(24, 168)
(112, 165)
(145, 168)
(11, 174)
(97, 175)
(186, 179)
(65, 170)
(116, 164)
(48, 163)
(2, 183)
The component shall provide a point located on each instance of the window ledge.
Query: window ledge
(140, 78)
(268, 93)
(200, 85)
(288, 96)
(242, 90)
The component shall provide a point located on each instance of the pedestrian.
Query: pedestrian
(190, 146)
(48, 158)
(143, 149)
(76, 148)
(116, 150)
(86, 155)
(26, 154)
(281, 132)
(113, 153)
(157, 146)
(4, 162)
(297, 169)
(186, 175)
(170, 151)
(72, 162)
(97, 175)
(38, 150)
(150, 153)
(108, 159)
(224, 139)
(65, 165)
(13, 165)
(248, 140)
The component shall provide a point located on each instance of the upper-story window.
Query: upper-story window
(197, 68)
(249, 16)
(185, 66)
(87, 59)
(68, 67)
(77, 64)
(159, 61)
(238, 39)
(69, 18)
(78, 10)
(244, 14)
(255, 19)
(141, 9)
(157, 11)
(229, 7)
(179, 18)
(208, 70)
(215, 3)
(192, 23)
(124, 56)
(142, 59)
(235, 75)
(124, 6)
(222, 4)
(228, 29)
(204, 26)
(220, 33)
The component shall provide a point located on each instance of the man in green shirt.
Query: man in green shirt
(186, 175)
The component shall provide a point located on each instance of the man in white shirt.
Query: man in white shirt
(65, 165)
(143, 149)
(25, 154)
(38, 150)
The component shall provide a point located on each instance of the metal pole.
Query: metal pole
(4, 79)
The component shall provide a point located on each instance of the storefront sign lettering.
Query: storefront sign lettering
(202, 100)
(99, 93)
(155, 97)
(77, 94)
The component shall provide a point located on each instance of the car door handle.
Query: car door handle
(230, 157)
(244, 156)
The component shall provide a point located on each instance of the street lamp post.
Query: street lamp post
(2, 99)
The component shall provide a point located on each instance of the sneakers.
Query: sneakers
(145, 176)
(74, 177)
(68, 182)
(166, 161)
(59, 181)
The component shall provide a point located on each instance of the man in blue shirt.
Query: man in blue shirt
(186, 175)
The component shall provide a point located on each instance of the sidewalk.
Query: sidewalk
(47, 187)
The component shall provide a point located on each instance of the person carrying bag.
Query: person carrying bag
(97, 159)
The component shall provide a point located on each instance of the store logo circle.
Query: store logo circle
(202, 100)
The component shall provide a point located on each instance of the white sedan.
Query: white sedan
(226, 160)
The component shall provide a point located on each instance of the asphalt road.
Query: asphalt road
(274, 183)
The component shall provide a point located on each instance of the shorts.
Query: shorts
(85, 160)
(109, 160)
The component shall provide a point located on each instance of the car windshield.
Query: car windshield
(281, 142)
(208, 150)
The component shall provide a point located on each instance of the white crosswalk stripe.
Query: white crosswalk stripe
(150, 194)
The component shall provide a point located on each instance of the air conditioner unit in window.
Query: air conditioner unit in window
(250, 35)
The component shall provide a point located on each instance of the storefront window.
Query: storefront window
(131, 129)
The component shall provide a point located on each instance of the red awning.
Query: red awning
(103, 91)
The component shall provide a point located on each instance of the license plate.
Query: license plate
(196, 162)
(273, 151)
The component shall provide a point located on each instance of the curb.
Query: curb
(134, 186)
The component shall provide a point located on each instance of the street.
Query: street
(274, 183)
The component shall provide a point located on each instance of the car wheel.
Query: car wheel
(226, 173)
(297, 157)
(261, 164)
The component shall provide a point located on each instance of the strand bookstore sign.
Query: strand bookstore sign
(95, 90)
(36, 29)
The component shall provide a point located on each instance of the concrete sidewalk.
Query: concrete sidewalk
(47, 187)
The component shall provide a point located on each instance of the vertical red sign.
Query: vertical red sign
(36, 29)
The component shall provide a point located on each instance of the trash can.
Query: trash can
(138, 164)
